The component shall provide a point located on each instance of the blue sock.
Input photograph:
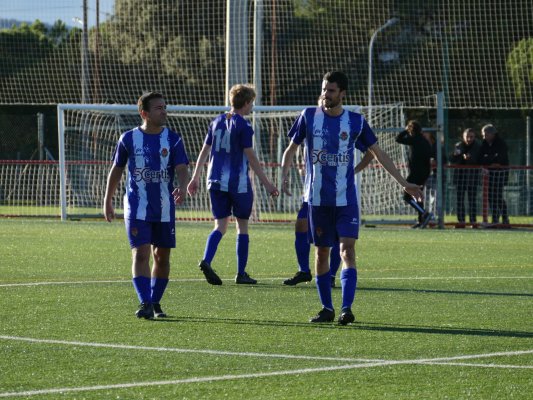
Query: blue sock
(302, 247)
(243, 241)
(158, 288)
(348, 284)
(323, 285)
(211, 245)
(143, 289)
(417, 206)
(334, 259)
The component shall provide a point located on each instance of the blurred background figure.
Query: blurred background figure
(466, 180)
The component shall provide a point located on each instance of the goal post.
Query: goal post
(88, 135)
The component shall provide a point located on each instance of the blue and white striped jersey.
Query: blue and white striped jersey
(228, 135)
(330, 143)
(151, 160)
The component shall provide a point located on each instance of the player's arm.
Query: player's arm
(194, 184)
(182, 173)
(256, 167)
(386, 162)
(369, 156)
(113, 179)
(404, 137)
(286, 162)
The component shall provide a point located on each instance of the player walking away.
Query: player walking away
(331, 135)
(419, 167)
(153, 154)
(228, 145)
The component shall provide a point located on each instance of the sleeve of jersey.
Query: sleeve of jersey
(179, 154)
(367, 138)
(297, 131)
(247, 135)
(209, 137)
(120, 155)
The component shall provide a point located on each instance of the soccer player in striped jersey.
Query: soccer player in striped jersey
(331, 135)
(228, 146)
(153, 154)
(302, 246)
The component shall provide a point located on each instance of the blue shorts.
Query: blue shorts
(159, 234)
(304, 210)
(224, 204)
(328, 224)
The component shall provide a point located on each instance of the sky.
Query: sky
(48, 11)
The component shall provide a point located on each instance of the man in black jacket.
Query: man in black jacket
(466, 180)
(419, 166)
(494, 153)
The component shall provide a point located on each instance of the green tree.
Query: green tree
(520, 69)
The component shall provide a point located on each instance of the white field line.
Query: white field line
(260, 374)
(504, 366)
(177, 350)
(415, 278)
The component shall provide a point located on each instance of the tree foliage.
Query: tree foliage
(520, 67)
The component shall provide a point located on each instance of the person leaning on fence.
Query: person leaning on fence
(466, 180)
(495, 155)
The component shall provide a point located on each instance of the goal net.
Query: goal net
(88, 135)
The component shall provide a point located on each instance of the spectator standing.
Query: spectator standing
(495, 155)
(466, 180)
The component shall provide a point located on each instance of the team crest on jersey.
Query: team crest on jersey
(164, 152)
(344, 136)
(134, 232)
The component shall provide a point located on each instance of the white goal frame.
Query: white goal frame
(374, 172)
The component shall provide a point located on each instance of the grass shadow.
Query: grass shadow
(365, 326)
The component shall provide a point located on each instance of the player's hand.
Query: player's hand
(285, 187)
(192, 187)
(179, 195)
(414, 190)
(109, 212)
(272, 190)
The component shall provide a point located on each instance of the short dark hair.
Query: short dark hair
(144, 101)
(337, 77)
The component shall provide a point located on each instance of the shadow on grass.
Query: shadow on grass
(364, 326)
(440, 291)
(308, 286)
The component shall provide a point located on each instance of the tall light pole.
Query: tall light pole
(390, 22)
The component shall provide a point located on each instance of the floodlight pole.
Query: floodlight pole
(390, 22)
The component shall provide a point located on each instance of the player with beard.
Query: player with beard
(331, 135)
